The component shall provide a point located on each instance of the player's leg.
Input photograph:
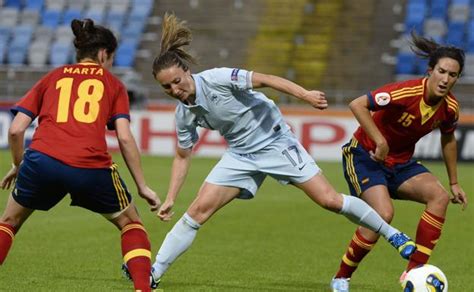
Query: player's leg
(37, 187)
(233, 176)
(103, 191)
(355, 209)
(13, 217)
(136, 248)
(425, 188)
(210, 198)
(364, 239)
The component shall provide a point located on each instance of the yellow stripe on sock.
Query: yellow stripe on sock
(432, 221)
(361, 243)
(7, 231)
(348, 262)
(424, 249)
(139, 252)
(133, 226)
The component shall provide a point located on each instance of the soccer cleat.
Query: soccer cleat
(125, 272)
(153, 280)
(405, 246)
(340, 284)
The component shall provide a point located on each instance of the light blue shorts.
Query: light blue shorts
(284, 159)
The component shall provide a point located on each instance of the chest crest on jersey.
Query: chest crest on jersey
(427, 111)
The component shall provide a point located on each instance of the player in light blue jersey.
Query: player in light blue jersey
(260, 145)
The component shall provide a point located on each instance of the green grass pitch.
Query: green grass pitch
(279, 241)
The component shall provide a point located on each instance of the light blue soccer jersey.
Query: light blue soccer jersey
(225, 102)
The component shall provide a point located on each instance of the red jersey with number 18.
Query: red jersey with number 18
(74, 104)
(403, 116)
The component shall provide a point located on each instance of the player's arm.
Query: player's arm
(16, 134)
(315, 98)
(131, 155)
(179, 172)
(449, 148)
(361, 111)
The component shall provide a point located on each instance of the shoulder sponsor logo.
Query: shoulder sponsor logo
(382, 98)
(235, 75)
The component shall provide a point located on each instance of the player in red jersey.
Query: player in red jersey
(378, 162)
(68, 153)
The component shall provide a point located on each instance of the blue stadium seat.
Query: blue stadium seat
(5, 33)
(115, 20)
(470, 36)
(96, 16)
(60, 54)
(439, 9)
(51, 18)
(16, 55)
(406, 63)
(126, 53)
(133, 29)
(34, 4)
(70, 15)
(455, 34)
(460, 2)
(415, 15)
(13, 3)
(22, 35)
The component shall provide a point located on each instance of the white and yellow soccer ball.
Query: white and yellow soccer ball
(425, 278)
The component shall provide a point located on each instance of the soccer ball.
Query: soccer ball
(425, 278)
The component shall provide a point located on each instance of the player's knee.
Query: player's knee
(440, 198)
(332, 201)
(386, 214)
(200, 213)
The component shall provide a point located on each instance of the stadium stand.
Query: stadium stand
(342, 47)
(24, 23)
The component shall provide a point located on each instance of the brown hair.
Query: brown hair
(90, 38)
(429, 49)
(175, 35)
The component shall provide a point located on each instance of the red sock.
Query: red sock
(7, 234)
(427, 235)
(358, 248)
(136, 255)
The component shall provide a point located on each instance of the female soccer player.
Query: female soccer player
(68, 154)
(260, 144)
(378, 162)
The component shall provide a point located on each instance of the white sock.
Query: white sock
(359, 212)
(177, 241)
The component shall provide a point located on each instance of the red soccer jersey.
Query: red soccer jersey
(74, 103)
(403, 116)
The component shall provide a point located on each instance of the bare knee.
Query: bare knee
(130, 215)
(438, 201)
(386, 214)
(331, 201)
(200, 213)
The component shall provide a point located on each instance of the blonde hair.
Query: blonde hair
(175, 35)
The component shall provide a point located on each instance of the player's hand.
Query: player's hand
(150, 196)
(165, 212)
(316, 99)
(459, 197)
(9, 179)
(381, 151)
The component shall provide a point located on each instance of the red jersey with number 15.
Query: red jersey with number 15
(74, 104)
(403, 116)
